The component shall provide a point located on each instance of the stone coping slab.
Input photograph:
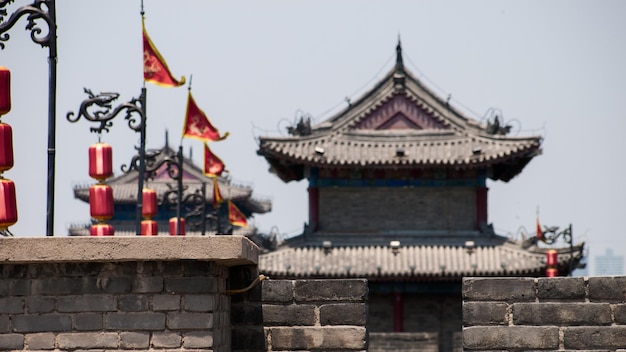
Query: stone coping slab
(226, 250)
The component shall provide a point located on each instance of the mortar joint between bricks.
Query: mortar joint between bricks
(536, 283)
(316, 313)
(561, 338)
(509, 314)
(586, 286)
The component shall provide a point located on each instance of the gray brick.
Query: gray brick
(20, 287)
(41, 323)
(166, 340)
(191, 321)
(40, 304)
(336, 290)
(135, 321)
(40, 341)
(87, 340)
(199, 303)
(65, 286)
(88, 322)
(133, 303)
(134, 340)
(119, 284)
(510, 337)
(11, 342)
(148, 284)
(607, 289)
(198, 268)
(499, 289)
(87, 303)
(484, 313)
(290, 315)
(277, 290)
(327, 338)
(198, 339)
(4, 323)
(588, 337)
(193, 284)
(11, 305)
(561, 288)
(561, 314)
(620, 313)
(343, 314)
(166, 302)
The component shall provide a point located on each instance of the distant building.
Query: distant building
(398, 195)
(609, 264)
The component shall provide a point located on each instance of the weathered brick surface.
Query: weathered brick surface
(134, 340)
(277, 291)
(11, 342)
(11, 305)
(4, 323)
(20, 287)
(43, 323)
(290, 315)
(166, 340)
(134, 321)
(76, 340)
(197, 340)
(514, 337)
(199, 303)
(133, 303)
(343, 314)
(195, 284)
(620, 313)
(166, 302)
(595, 337)
(65, 286)
(87, 303)
(40, 304)
(484, 313)
(499, 289)
(321, 290)
(39, 341)
(561, 288)
(328, 338)
(88, 321)
(562, 314)
(189, 321)
(607, 289)
(147, 284)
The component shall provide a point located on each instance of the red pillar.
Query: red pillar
(314, 203)
(481, 206)
(398, 312)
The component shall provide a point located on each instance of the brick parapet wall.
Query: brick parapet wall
(302, 315)
(178, 305)
(555, 314)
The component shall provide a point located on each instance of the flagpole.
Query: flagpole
(142, 149)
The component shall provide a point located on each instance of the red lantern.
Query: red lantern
(5, 90)
(551, 258)
(149, 203)
(100, 161)
(149, 228)
(174, 227)
(101, 202)
(8, 204)
(552, 272)
(6, 147)
(101, 230)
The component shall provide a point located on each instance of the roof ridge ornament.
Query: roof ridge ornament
(399, 76)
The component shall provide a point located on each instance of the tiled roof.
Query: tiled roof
(410, 262)
(400, 124)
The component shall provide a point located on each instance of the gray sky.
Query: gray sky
(553, 68)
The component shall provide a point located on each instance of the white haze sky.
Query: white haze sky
(553, 68)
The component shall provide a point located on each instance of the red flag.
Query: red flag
(213, 166)
(539, 233)
(198, 126)
(217, 196)
(235, 216)
(155, 69)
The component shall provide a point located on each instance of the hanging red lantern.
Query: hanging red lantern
(149, 203)
(101, 230)
(6, 147)
(552, 272)
(149, 228)
(101, 202)
(174, 227)
(551, 258)
(5, 90)
(8, 204)
(100, 161)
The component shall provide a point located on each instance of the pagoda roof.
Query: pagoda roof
(125, 186)
(399, 123)
(493, 256)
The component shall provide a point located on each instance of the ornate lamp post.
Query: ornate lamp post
(99, 109)
(40, 10)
